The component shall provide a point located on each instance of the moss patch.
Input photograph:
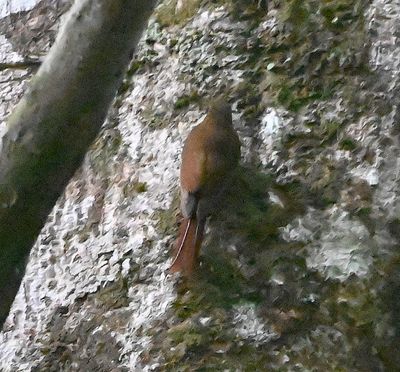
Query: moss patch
(167, 222)
(169, 13)
(186, 99)
(322, 48)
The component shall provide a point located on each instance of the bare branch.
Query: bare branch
(57, 119)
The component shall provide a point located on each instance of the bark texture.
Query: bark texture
(58, 117)
(300, 271)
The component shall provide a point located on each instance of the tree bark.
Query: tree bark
(54, 123)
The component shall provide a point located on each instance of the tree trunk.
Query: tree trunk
(57, 119)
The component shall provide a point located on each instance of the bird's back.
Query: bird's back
(211, 151)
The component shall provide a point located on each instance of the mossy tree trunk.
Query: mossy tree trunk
(57, 119)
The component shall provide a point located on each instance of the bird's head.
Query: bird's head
(221, 110)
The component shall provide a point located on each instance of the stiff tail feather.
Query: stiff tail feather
(187, 246)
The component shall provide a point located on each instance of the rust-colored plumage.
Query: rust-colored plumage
(210, 155)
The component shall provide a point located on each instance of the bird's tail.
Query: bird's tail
(187, 246)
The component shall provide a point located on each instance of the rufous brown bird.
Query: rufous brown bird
(210, 155)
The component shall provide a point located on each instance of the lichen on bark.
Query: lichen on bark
(299, 271)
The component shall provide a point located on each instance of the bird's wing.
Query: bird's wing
(193, 168)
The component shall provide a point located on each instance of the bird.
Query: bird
(210, 155)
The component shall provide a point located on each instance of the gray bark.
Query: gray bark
(300, 271)
(57, 119)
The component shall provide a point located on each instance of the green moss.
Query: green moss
(188, 304)
(124, 87)
(132, 189)
(141, 187)
(153, 118)
(135, 66)
(103, 149)
(172, 43)
(219, 279)
(364, 212)
(338, 14)
(243, 10)
(188, 333)
(186, 100)
(168, 14)
(284, 95)
(191, 343)
(168, 218)
(114, 295)
(249, 100)
(328, 131)
(294, 99)
(347, 144)
(296, 13)
(304, 71)
(218, 284)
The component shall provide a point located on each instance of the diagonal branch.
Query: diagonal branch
(57, 119)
